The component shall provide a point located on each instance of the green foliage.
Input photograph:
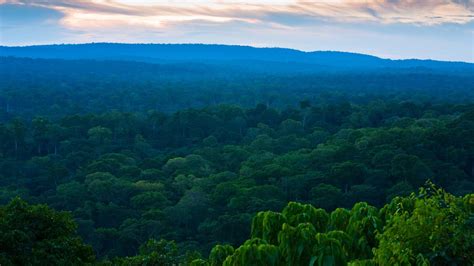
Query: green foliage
(199, 262)
(253, 252)
(339, 219)
(153, 252)
(266, 225)
(326, 196)
(296, 213)
(428, 228)
(431, 227)
(219, 253)
(296, 243)
(191, 153)
(327, 251)
(199, 175)
(364, 223)
(38, 235)
(434, 229)
(99, 134)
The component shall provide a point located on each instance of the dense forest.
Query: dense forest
(56, 87)
(424, 228)
(120, 162)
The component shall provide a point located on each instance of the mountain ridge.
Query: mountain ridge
(234, 54)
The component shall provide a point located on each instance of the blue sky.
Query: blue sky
(436, 29)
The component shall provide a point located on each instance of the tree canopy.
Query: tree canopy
(135, 163)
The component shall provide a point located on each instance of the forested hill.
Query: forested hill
(237, 55)
(191, 155)
(55, 87)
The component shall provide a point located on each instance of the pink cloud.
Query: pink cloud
(81, 14)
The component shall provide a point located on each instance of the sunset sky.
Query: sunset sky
(437, 29)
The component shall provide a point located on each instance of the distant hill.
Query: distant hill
(279, 59)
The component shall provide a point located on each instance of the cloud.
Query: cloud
(421, 12)
(407, 28)
(110, 13)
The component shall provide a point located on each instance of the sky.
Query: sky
(425, 29)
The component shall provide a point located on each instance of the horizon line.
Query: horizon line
(241, 45)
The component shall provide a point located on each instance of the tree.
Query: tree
(328, 250)
(411, 169)
(38, 235)
(305, 106)
(399, 189)
(267, 225)
(296, 213)
(348, 173)
(219, 253)
(190, 210)
(253, 252)
(435, 227)
(326, 196)
(99, 134)
(364, 224)
(149, 199)
(40, 132)
(153, 252)
(291, 126)
(18, 129)
(71, 195)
